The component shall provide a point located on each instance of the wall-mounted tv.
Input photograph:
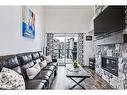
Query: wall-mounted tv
(112, 19)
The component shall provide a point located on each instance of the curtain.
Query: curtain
(50, 49)
(80, 48)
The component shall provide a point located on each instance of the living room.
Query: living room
(63, 47)
(17, 43)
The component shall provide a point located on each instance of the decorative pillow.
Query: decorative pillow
(43, 64)
(10, 79)
(33, 71)
(48, 58)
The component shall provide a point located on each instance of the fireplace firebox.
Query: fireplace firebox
(110, 64)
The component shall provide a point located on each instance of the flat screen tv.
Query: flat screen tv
(112, 19)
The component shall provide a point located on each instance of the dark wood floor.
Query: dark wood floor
(94, 82)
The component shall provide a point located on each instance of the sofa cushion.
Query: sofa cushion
(35, 84)
(10, 79)
(42, 58)
(52, 64)
(35, 55)
(52, 68)
(43, 74)
(46, 72)
(45, 83)
(33, 71)
(54, 60)
(17, 69)
(43, 64)
(42, 77)
(37, 60)
(24, 58)
(9, 61)
(41, 55)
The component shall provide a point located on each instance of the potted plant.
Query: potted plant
(76, 64)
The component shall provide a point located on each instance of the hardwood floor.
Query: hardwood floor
(94, 82)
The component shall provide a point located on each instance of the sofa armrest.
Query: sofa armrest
(7, 89)
(2, 89)
(54, 60)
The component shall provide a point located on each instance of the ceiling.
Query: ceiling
(87, 11)
(68, 19)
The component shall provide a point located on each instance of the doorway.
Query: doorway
(63, 45)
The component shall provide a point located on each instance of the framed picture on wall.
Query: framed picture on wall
(28, 23)
(88, 38)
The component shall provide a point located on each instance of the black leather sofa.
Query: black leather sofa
(20, 62)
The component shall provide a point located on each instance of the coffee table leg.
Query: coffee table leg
(77, 83)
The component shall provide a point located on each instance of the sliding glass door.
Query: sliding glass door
(64, 45)
(59, 49)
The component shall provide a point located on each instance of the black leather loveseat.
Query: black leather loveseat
(20, 62)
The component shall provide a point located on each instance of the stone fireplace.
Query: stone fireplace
(111, 56)
(115, 56)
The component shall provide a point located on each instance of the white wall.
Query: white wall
(11, 39)
(68, 19)
(88, 49)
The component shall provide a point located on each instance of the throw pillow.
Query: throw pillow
(10, 79)
(33, 71)
(43, 64)
(48, 58)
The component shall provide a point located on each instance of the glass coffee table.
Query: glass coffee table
(76, 73)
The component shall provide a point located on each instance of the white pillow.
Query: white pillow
(33, 71)
(48, 58)
(10, 79)
(43, 64)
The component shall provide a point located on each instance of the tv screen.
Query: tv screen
(112, 19)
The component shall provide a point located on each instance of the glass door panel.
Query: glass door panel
(59, 48)
(63, 45)
(71, 42)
